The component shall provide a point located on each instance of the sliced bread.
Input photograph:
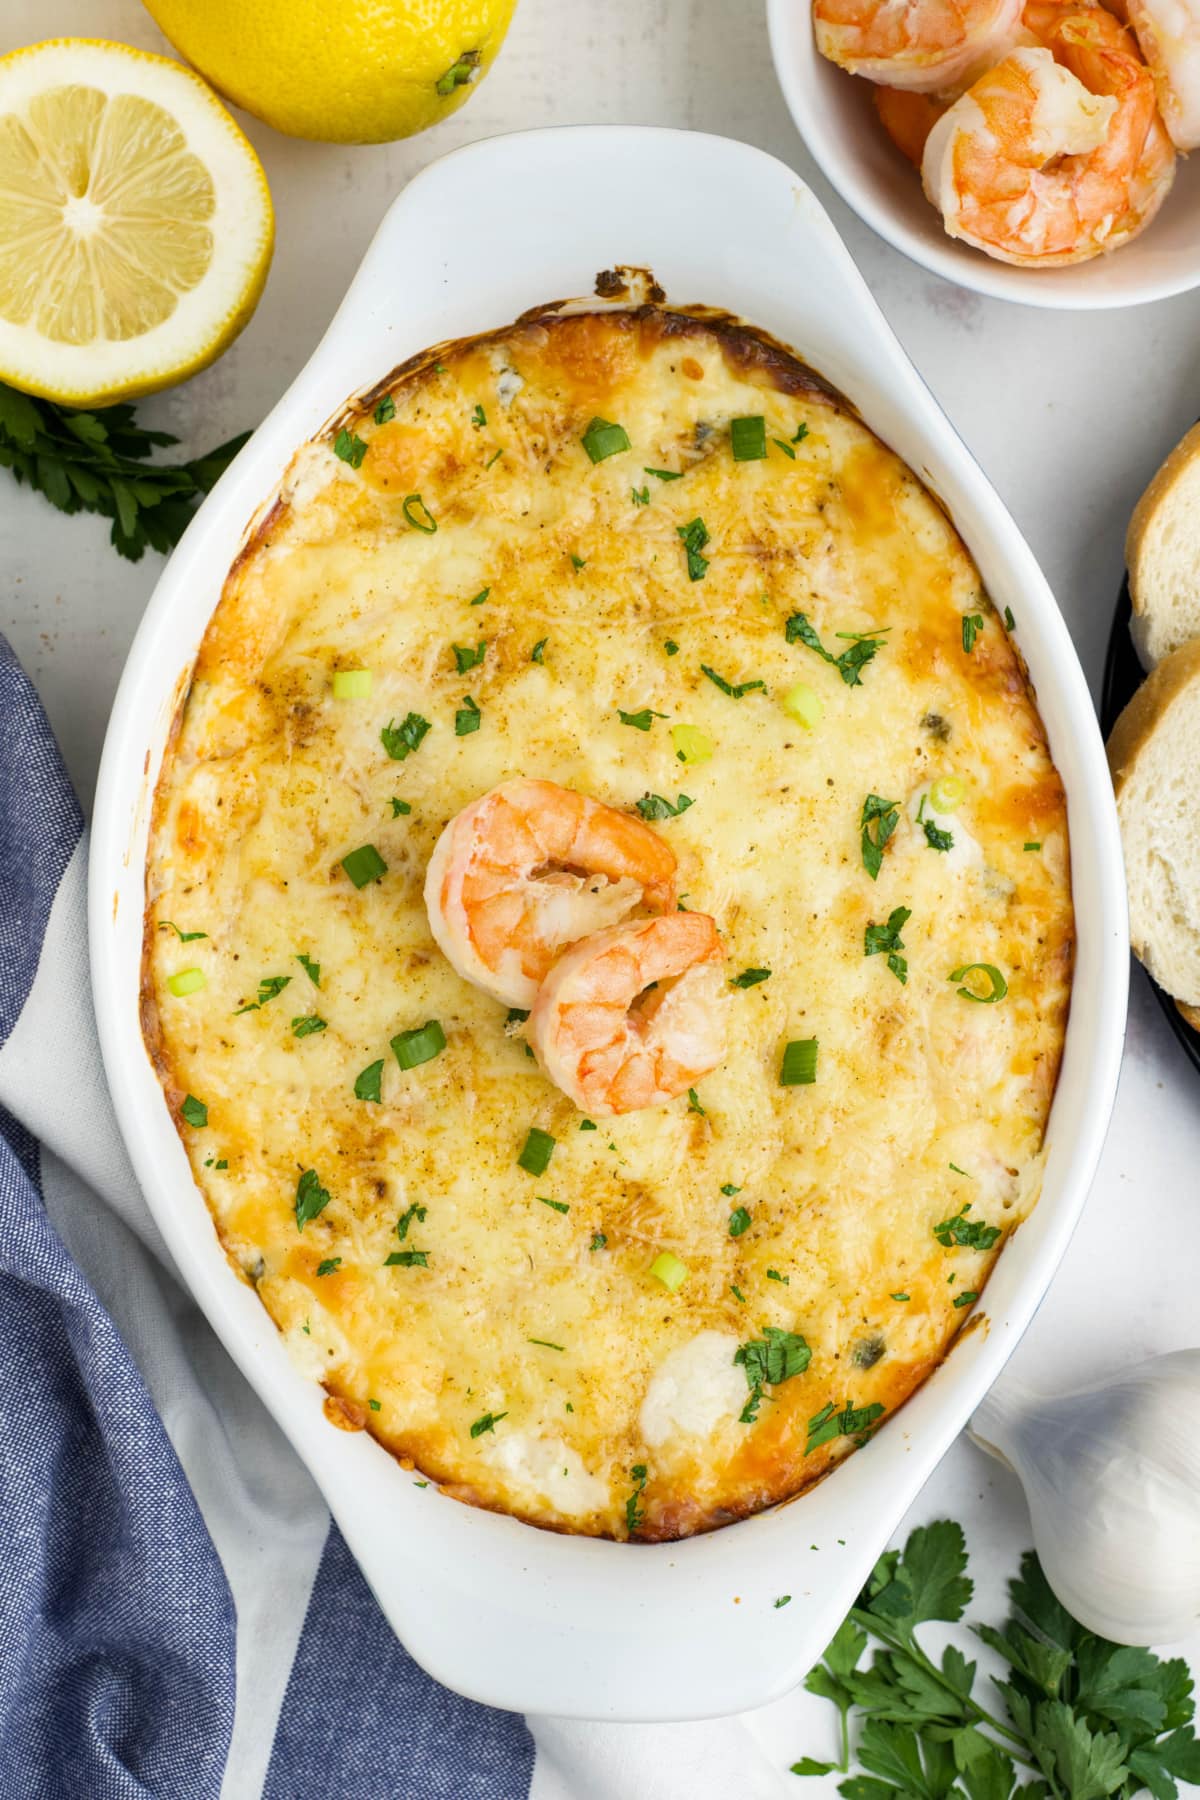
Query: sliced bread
(1162, 551)
(1154, 755)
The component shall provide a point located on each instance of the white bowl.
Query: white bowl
(835, 115)
(499, 1610)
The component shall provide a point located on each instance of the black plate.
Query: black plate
(1123, 675)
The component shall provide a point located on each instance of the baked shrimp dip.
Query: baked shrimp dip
(609, 934)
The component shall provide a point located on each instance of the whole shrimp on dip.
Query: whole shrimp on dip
(608, 931)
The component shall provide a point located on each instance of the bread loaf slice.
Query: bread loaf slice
(1154, 755)
(1162, 552)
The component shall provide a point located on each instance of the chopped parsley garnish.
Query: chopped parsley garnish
(307, 1024)
(418, 514)
(727, 687)
(749, 978)
(537, 654)
(311, 1198)
(536, 1152)
(420, 1045)
(666, 474)
(401, 740)
(516, 1015)
(350, 447)
(558, 1206)
(694, 1103)
(783, 1600)
(936, 838)
(456, 76)
(997, 985)
(884, 815)
(966, 1234)
(602, 438)
(195, 1112)
(641, 496)
(785, 447)
(467, 718)
(407, 1259)
(269, 988)
(657, 806)
(190, 937)
(641, 721)
(588, 1125)
(739, 1221)
(398, 806)
(695, 538)
(799, 1065)
(465, 658)
(364, 864)
(852, 1422)
(330, 1266)
(901, 1296)
(773, 1358)
(480, 597)
(478, 417)
(634, 1513)
(748, 438)
(493, 459)
(959, 1171)
(415, 1211)
(312, 969)
(545, 1344)
(598, 1241)
(488, 1422)
(368, 1084)
(972, 625)
(1010, 624)
(850, 663)
(385, 411)
(671, 648)
(774, 1275)
(737, 1293)
(578, 562)
(376, 1407)
(966, 1297)
(885, 940)
(801, 433)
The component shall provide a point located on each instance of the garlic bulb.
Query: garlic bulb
(1112, 1477)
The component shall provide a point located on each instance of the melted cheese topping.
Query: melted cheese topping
(541, 1325)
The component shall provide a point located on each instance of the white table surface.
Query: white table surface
(1069, 414)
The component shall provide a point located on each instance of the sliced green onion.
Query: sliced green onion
(947, 793)
(803, 704)
(799, 1066)
(413, 502)
(195, 1112)
(420, 1045)
(691, 744)
(368, 1084)
(186, 981)
(352, 684)
(996, 982)
(364, 864)
(748, 438)
(668, 1269)
(602, 438)
(537, 1151)
(1036, 846)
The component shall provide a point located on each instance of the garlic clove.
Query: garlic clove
(1111, 1474)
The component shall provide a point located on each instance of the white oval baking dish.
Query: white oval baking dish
(504, 1612)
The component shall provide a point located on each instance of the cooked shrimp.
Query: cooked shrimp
(530, 867)
(611, 1046)
(1168, 32)
(908, 119)
(927, 45)
(1058, 153)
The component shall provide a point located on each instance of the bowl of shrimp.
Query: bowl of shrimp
(1035, 153)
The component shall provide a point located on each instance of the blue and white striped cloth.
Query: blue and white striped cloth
(180, 1620)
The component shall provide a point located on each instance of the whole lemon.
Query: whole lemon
(352, 72)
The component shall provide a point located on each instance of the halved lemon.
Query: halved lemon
(135, 222)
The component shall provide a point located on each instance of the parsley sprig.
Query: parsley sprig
(1079, 1718)
(864, 645)
(97, 462)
